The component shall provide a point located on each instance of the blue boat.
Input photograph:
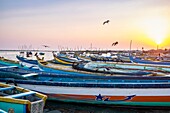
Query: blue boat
(8, 62)
(147, 92)
(140, 61)
(30, 61)
(54, 68)
(126, 91)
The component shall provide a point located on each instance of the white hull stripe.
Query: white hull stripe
(95, 91)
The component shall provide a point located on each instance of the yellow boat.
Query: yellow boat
(19, 100)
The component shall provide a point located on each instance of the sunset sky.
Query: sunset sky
(79, 24)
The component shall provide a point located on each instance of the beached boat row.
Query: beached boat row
(112, 91)
(102, 67)
(100, 83)
(123, 91)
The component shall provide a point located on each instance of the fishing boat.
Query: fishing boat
(8, 63)
(20, 100)
(64, 59)
(124, 91)
(5, 61)
(84, 66)
(61, 69)
(141, 61)
(54, 68)
(124, 58)
(130, 66)
(147, 92)
(30, 61)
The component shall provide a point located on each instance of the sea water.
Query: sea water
(61, 107)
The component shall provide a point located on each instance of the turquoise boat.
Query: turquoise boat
(8, 62)
(20, 100)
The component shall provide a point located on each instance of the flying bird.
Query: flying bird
(115, 43)
(107, 21)
(45, 46)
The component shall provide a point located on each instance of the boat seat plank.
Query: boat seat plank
(30, 74)
(6, 67)
(21, 94)
(7, 88)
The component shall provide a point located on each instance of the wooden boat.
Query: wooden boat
(20, 100)
(63, 59)
(123, 58)
(131, 66)
(140, 61)
(119, 91)
(84, 58)
(30, 61)
(126, 91)
(5, 61)
(102, 69)
(61, 69)
(54, 68)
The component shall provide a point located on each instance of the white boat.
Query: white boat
(143, 92)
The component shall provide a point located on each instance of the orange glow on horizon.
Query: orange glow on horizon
(155, 28)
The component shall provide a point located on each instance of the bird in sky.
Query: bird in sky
(115, 43)
(107, 21)
(45, 46)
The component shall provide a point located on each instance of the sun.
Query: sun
(155, 28)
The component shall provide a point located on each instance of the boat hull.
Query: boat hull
(130, 97)
(138, 60)
(18, 108)
(64, 60)
(20, 100)
(131, 66)
(35, 62)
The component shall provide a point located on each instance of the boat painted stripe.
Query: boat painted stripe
(6, 67)
(2, 111)
(29, 75)
(95, 91)
(112, 98)
(61, 61)
(7, 88)
(13, 100)
(21, 94)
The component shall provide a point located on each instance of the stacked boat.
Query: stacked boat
(110, 84)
